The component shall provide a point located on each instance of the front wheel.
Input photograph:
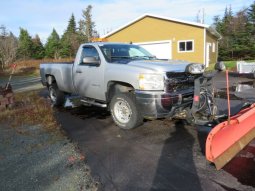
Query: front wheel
(57, 97)
(124, 111)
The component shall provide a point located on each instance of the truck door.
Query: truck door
(89, 77)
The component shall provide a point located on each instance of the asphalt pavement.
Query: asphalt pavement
(159, 155)
(21, 83)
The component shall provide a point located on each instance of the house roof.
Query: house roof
(207, 27)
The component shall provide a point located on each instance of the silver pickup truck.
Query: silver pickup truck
(125, 78)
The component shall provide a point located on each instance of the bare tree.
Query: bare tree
(87, 25)
(8, 47)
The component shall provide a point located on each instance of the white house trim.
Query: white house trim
(217, 50)
(154, 42)
(193, 46)
(204, 47)
(213, 47)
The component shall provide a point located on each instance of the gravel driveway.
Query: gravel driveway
(32, 158)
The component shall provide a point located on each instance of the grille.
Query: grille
(179, 81)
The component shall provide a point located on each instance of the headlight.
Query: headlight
(195, 68)
(151, 82)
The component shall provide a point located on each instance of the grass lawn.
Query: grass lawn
(30, 109)
(29, 67)
(230, 65)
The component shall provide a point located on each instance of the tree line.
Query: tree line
(237, 31)
(26, 47)
(238, 34)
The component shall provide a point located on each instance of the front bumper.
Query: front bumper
(154, 104)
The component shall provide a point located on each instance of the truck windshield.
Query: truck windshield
(124, 53)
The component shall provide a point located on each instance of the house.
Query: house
(169, 38)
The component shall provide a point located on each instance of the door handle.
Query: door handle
(78, 71)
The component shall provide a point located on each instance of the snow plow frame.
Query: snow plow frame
(226, 135)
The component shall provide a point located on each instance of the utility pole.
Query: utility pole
(203, 16)
(200, 17)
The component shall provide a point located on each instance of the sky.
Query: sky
(41, 16)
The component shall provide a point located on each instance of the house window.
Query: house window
(186, 46)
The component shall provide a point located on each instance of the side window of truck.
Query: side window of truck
(89, 51)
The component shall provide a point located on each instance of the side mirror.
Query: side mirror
(220, 66)
(91, 60)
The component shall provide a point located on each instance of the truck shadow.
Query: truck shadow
(176, 169)
(85, 112)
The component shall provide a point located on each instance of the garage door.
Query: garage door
(160, 49)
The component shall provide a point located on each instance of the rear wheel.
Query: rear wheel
(124, 111)
(57, 97)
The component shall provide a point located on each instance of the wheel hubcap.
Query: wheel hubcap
(122, 111)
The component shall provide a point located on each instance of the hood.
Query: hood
(160, 66)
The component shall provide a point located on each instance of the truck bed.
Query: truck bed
(62, 71)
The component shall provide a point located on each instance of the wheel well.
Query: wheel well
(50, 79)
(114, 87)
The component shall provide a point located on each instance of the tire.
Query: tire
(57, 97)
(124, 111)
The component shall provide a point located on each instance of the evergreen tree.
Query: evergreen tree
(52, 47)
(238, 34)
(25, 46)
(82, 38)
(251, 13)
(69, 40)
(71, 28)
(226, 29)
(65, 44)
(38, 49)
(3, 31)
(251, 27)
(218, 24)
(240, 37)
